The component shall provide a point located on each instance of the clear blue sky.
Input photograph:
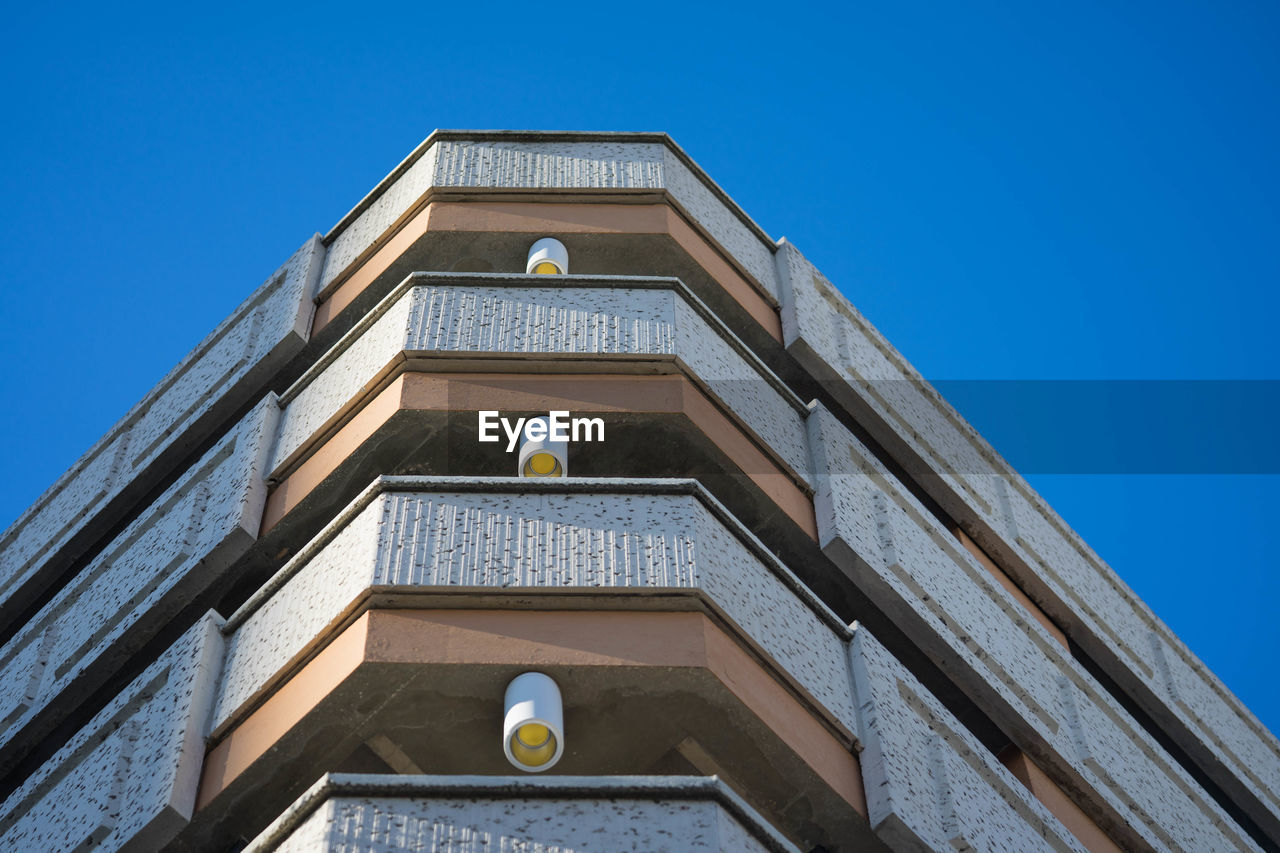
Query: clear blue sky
(1061, 191)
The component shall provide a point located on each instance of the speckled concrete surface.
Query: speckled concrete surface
(261, 334)
(358, 236)
(930, 785)
(833, 340)
(347, 368)
(384, 825)
(601, 317)
(605, 162)
(177, 546)
(500, 538)
(476, 814)
(971, 626)
(744, 386)
(693, 194)
(129, 776)
(572, 317)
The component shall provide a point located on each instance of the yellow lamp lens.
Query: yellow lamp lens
(546, 268)
(533, 735)
(533, 745)
(542, 465)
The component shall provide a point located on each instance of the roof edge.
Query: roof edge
(440, 135)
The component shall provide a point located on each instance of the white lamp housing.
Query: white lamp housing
(533, 726)
(548, 256)
(540, 454)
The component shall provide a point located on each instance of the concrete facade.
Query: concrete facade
(792, 602)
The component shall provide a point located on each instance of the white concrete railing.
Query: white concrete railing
(479, 314)
(582, 162)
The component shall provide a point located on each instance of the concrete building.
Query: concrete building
(792, 601)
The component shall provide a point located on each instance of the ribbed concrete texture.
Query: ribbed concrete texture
(918, 573)
(930, 785)
(501, 537)
(477, 814)
(128, 778)
(865, 372)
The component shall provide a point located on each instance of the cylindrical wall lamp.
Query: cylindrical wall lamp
(541, 455)
(548, 256)
(533, 726)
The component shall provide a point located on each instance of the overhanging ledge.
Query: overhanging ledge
(643, 690)
(556, 788)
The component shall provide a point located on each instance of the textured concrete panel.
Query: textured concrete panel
(467, 316)
(619, 165)
(172, 550)
(380, 814)
(482, 313)
(507, 538)
(470, 317)
(930, 785)
(603, 164)
(599, 162)
(976, 631)
(743, 384)
(385, 825)
(384, 206)
(1067, 578)
(129, 776)
(348, 368)
(267, 329)
(694, 193)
